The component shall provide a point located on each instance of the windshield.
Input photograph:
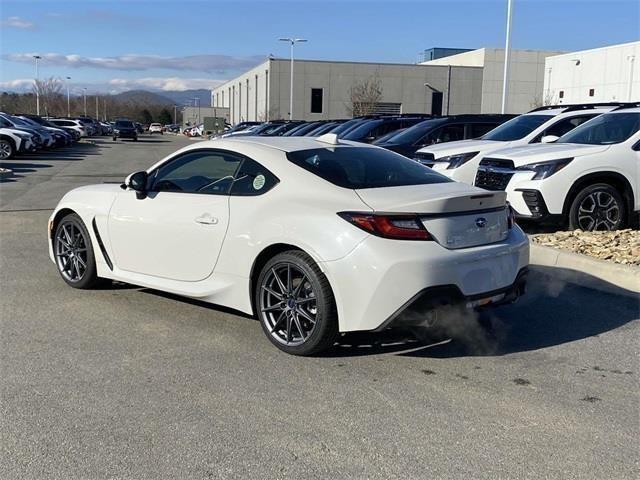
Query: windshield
(124, 124)
(516, 128)
(361, 167)
(604, 130)
(415, 132)
(361, 131)
(346, 126)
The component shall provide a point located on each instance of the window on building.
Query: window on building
(592, 92)
(316, 100)
(561, 94)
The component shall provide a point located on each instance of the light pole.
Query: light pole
(292, 41)
(97, 116)
(85, 100)
(37, 57)
(68, 100)
(175, 114)
(507, 49)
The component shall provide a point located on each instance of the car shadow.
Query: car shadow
(553, 312)
(18, 169)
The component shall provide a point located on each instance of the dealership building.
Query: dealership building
(599, 75)
(452, 81)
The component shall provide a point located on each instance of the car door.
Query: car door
(177, 229)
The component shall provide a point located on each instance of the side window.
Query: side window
(381, 130)
(448, 133)
(476, 130)
(253, 179)
(563, 126)
(201, 171)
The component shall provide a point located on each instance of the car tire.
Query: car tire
(72, 247)
(299, 318)
(135, 139)
(115, 138)
(6, 149)
(595, 206)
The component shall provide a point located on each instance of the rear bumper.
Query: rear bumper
(380, 277)
(431, 298)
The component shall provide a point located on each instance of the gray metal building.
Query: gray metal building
(321, 89)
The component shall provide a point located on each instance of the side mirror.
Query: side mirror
(549, 139)
(137, 181)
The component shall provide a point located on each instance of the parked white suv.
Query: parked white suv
(14, 141)
(459, 160)
(70, 123)
(589, 178)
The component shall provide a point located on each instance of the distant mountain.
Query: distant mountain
(170, 97)
(143, 97)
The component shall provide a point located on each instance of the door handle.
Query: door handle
(206, 219)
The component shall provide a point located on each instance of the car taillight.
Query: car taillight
(511, 216)
(399, 227)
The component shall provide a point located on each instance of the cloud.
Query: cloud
(134, 62)
(19, 85)
(118, 85)
(164, 83)
(17, 22)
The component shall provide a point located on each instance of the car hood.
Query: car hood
(541, 152)
(462, 146)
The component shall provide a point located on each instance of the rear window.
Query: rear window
(516, 128)
(124, 124)
(361, 167)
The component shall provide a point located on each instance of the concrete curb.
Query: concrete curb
(5, 172)
(603, 275)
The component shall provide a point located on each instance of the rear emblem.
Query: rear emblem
(481, 222)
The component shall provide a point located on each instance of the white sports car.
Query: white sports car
(313, 235)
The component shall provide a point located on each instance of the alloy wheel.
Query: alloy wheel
(71, 252)
(288, 304)
(599, 211)
(5, 150)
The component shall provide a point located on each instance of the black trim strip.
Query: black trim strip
(101, 245)
(460, 214)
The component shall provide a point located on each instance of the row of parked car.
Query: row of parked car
(577, 165)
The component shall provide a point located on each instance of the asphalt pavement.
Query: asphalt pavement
(127, 382)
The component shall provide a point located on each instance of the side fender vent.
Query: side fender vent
(101, 245)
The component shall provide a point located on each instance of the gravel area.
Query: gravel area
(622, 246)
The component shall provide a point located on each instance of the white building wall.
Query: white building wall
(612, 73)
(401, 83)
(526, 76)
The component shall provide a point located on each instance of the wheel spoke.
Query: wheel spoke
(82, 262)
(283, 289)
(66, 234)
(301, 301)
(299, 287)
(273, 292)
(299, 326)
(289, 284)
(278, 321)
(306, 315)
(272, 308)
(288, 327)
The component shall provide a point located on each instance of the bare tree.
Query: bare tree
(364, 96)
(51, 99)
(549, 98)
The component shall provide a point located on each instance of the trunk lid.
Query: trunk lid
(455, 214)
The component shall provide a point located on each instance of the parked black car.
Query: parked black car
(125, 129)
(370, 130)
(441, 129)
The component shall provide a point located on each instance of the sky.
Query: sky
(112, 46)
